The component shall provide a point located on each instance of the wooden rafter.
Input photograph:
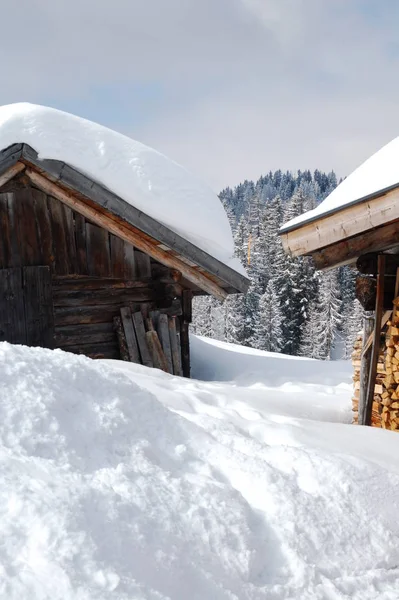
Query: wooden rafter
(11, 172)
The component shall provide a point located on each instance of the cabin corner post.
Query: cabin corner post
(186, 318)
(379, 304)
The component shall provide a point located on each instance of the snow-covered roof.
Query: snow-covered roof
(141, 176)
(377, 173)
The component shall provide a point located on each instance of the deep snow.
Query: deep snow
(122, 482)
(376, 173)
(140, 175)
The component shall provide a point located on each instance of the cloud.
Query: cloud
(230, 88)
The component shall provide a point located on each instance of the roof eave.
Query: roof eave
(357, 218)
(59, 172)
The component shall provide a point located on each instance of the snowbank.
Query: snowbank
(140, 175)
(123, 482)
(376, 173)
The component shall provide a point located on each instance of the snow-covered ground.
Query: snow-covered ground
(117, 481)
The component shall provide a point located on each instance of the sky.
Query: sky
(229, 88)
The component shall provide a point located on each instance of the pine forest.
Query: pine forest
(290, 307)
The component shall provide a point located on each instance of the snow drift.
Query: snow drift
(123, 482)
(140, 175)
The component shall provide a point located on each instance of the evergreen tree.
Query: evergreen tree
(268, 331)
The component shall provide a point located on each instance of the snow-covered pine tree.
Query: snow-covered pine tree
(268, 332)
(330, 314)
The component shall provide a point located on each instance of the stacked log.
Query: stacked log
(390, 396)
(379, 390)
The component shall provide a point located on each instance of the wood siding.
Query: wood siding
(38, 229)
(91, 275)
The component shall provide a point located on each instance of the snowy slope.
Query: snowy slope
(378, 172)
(140, 175)
(122, 482)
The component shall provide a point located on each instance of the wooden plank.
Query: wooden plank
(185, 349)
(70, 238)
(143, 265)
(187, 303)
(158, 356)
(98, 256)
(43, 222)
(11, 172)
(80, 241)
(376, 342)
(61, 250)
(38, 302)
(138, 323)
(86, 334)
(154, 316)
(12, 311)
(13, 217)
(5, 239)
(86, 314)
(131, 235)
(129, 261)
(164, 338)
(368, 326)
(30, 249)
(95, 283)
(117, 256)
(108, 350)
(127, 324)
(84, 297)
(385, 318)
(120, 334)
(175, 347)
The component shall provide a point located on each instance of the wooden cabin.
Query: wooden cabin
(363, 232)
(83, 270)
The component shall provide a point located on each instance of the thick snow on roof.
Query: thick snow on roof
(140, 175)
(378, 172)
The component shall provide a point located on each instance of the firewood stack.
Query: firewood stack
(379, 389)
(390, 396)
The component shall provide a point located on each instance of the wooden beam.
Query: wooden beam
(11, 172)
(351, 220)
(127, 233)
(368, 326)
(348, 250)
(375, 349)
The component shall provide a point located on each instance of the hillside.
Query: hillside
(123, 482)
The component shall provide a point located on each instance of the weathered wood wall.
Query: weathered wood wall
(93, 273)
(37, 229)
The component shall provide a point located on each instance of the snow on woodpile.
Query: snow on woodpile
(140, 175)
(119, 481)
(378, 172)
